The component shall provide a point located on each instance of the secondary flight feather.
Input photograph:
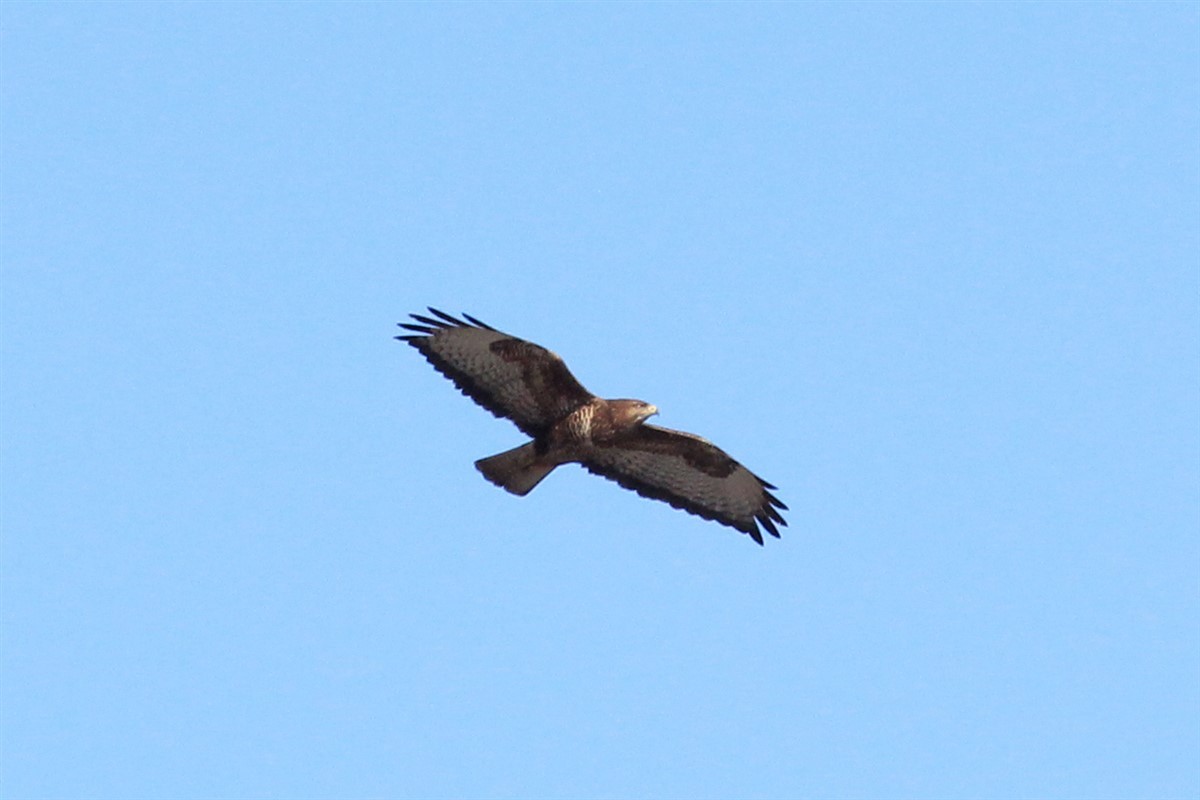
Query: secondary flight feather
(531, 386)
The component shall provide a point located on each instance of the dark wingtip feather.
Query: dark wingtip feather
(767, 523)
(444, 321)
(443, 315)
(435, 323)
(476, 322)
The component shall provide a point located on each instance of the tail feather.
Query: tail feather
(517, 470)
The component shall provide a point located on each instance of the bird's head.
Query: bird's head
(633, 412)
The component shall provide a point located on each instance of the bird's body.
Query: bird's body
(531, 386)
(573, 439)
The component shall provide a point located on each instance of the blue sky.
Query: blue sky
(934, 270)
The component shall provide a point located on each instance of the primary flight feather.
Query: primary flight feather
(528, 384)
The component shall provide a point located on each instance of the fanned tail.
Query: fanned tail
(517, 470)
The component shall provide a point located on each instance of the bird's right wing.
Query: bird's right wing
(510, 377)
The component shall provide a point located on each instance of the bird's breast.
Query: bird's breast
(578, 424)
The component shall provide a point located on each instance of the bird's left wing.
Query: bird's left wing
(690, 473)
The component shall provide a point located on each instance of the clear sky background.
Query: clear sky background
(934, 270)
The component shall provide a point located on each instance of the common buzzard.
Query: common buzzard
(528, 384)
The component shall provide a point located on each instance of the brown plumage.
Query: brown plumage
(528, 384)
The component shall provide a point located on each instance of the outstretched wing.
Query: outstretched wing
(510, 377)
(689, 473)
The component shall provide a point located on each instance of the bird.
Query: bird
(531, 386)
